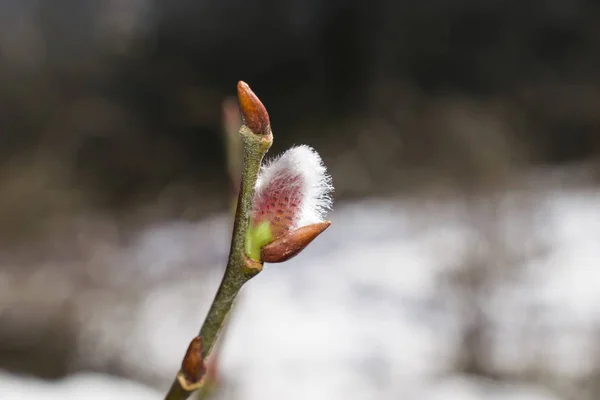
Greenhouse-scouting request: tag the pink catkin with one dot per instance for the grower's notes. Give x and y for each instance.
(292, 191)
(280, 204)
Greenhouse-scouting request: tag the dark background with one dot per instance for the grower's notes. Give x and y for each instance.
(121, 100)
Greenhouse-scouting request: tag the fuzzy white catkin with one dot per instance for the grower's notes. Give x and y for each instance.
(316, 186)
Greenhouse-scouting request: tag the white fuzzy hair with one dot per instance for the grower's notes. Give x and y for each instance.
(316, 185)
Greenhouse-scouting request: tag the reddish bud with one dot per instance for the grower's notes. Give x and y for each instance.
(193, 367)
(254, 113)
(292, 243)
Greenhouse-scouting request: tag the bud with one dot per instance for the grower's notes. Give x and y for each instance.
(292, 191)
(193, 368)
(292, 243)
(254, 113)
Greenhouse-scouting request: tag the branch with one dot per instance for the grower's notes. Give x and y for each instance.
(274, 221)
(257, 139)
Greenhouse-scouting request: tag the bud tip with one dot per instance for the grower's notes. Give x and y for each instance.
(292, 243)
(254, 113)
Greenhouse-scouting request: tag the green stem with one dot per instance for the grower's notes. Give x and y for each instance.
(239, 268)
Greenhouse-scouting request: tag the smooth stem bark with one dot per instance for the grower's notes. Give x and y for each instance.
(239, 268)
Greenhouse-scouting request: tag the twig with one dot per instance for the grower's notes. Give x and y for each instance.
(257, 139)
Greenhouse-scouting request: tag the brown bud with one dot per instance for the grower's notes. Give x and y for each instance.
(292, 243)
(254, 113)
(193, 367)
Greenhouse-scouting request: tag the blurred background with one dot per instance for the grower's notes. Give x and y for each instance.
(463, 137)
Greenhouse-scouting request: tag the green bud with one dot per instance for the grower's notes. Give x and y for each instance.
(256, 238)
